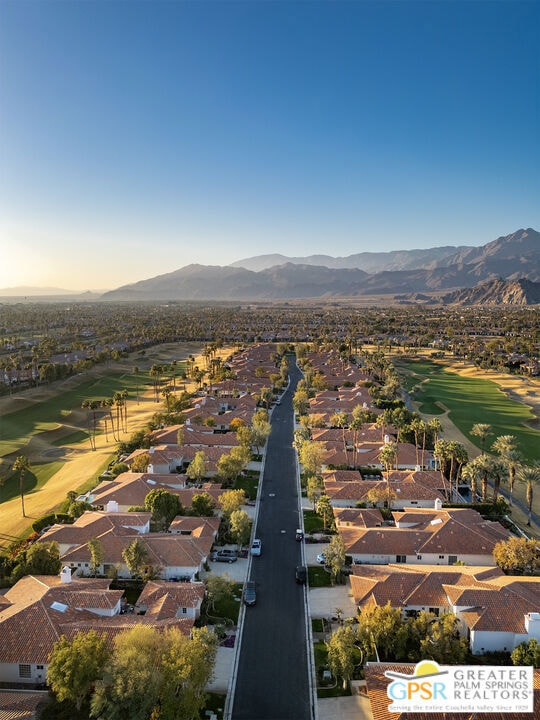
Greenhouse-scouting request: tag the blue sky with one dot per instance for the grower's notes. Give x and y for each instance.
(139, 137)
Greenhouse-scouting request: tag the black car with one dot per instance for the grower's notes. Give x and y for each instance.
(250, 594)
(301, 574)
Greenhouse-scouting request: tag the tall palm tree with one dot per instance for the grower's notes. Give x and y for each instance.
(482, 431)
(440, 453)
(530, 475)
(21, 467)
(473, 472)
(506, 447)
(457, 454)
(388, 456)
(86, 405)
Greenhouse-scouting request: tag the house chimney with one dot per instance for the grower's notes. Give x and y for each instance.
(532, 625)
(65, 575)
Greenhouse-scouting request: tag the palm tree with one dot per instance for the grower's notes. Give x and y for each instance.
(473, 472)
(506, 447)
(457, 454)
(87, 405)
(498, 471)
(388, 455)
(440, 453)
(21, 466)
(530, 475)
(482, 431)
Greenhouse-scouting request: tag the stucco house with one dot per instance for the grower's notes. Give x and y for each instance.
(38, 610)
(428, 537)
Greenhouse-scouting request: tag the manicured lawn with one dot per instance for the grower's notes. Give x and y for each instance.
(312, 522)
(318, 577)
(226, 610)
(16, 427)
(334, 689)
(470, 401)
(249, 484)
(214, 702)
(34, 479)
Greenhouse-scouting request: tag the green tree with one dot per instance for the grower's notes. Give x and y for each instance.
(473, 473)
(443, 643)
(300, 402)
(197, 468)
(75, 666)
(506, 447)
(140, 463)
(482, 431)
(527, 653)
(380, 631)
(97, 555)
(388, 456)
(137, 559)
(203, 505)
(119, 468)
(245, 435)
(240, 527)
(132, 678)
(314, 489)
(260, 428)
(530, 475)
(187, 668)
(231, 500)
(334, 555)
(43, 559)
(311, 456)
(163, 505)
(343, 653)
(20, 467)
(382, 493)
(325, 510)
(218, 588)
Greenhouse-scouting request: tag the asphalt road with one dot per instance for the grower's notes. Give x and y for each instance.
(273, 676)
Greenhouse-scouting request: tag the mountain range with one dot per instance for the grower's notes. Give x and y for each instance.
(493, 273)
(437, 272)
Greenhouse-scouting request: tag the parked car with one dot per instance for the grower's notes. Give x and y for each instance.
(256, 547)
(229, 556)
(250, 593)
(301, 574)
(299, 535)
(321, 559)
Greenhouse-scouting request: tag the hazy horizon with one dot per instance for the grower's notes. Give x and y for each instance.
(138, 138)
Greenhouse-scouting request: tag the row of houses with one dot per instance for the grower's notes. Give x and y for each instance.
(37, 611)
(425, 557)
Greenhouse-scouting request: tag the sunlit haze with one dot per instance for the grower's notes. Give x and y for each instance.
(140, 137)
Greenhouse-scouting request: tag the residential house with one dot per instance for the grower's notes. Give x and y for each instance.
(160, 599)
(38, 610)
(428, 537)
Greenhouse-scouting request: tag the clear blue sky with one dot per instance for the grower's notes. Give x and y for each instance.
(139, 137)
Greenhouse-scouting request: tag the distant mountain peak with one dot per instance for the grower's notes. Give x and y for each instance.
(391, 274)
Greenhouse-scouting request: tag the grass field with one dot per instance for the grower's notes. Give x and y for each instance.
(470, 400)
(49, 427)
(61, 409)
(460, 396)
